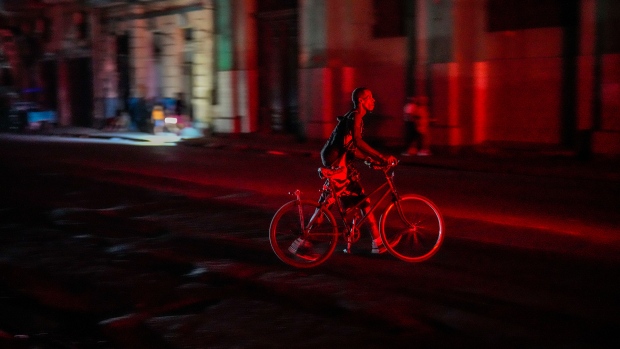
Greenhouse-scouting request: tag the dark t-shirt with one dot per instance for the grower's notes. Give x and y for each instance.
(335, 146)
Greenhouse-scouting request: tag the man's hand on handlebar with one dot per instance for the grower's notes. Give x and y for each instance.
(391, 160)
(388, 162)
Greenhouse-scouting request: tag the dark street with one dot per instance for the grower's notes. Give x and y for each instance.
(117, 246)
(161, 163)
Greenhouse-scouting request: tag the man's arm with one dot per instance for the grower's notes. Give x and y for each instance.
(363, 150)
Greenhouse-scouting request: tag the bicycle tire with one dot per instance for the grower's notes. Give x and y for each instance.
(292, 245)
(417, 234)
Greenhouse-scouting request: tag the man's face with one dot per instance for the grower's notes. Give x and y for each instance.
(367, 101)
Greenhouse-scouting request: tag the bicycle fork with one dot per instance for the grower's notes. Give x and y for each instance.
(305, 228)
(297, 194)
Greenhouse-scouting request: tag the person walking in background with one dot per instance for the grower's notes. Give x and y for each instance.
(411, 130)
(417, 122)
(423, 123)
(157, 119)
(139, 112)
(179, 104)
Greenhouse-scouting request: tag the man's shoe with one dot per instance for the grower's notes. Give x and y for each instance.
(377, 247)
(303, 249)
(299, 242)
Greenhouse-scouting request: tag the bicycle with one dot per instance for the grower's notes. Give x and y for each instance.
(304, 233)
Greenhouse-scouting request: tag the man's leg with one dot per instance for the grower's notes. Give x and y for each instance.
(377, 243)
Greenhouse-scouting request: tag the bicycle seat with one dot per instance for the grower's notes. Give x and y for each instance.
(328, 172)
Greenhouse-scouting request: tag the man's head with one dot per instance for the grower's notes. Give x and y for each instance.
(362, 97)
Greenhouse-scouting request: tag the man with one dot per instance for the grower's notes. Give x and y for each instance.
(347, 144)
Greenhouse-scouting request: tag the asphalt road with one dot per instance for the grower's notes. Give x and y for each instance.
(113, 246)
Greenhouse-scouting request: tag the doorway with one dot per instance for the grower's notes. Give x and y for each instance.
(81, 91)
(122, 66)
(277, 72)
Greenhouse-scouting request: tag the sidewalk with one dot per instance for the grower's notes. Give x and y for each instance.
(508, 159)
(492, 159)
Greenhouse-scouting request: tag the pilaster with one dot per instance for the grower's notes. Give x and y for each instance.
(236, 62)
(325, 80)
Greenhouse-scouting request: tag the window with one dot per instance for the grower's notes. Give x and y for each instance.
(188, 34)
(276, 5)
(611, 28)
(80, 23)
(504, 15)
(389, 18)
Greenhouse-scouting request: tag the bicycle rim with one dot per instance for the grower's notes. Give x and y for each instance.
(298, 248)
(412, 228)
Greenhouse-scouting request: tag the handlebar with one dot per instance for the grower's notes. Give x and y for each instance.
(385, 167)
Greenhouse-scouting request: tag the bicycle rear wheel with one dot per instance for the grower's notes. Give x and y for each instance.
(412, 228)
(303, 247)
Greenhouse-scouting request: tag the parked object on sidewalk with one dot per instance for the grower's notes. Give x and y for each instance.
(29, 116)
(119, 122)
(176, 123)
(41, 119)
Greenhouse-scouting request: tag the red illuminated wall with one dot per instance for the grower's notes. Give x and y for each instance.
(524, 84)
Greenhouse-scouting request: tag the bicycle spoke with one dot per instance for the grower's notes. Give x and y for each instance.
(302, 243)
(416, 224)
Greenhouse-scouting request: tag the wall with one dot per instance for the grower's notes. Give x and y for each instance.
(163, 78)
(524, 84)
(606, 138)
(488, 86)
(337, 54)
(237, 86)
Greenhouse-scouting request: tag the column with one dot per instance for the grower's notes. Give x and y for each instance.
(325, 78)
(64, 105)
(202, 22)
(586, 75)
(236, 62)
(141, 54)
(457, 73)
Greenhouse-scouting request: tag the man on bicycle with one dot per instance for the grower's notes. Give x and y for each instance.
(345, 145)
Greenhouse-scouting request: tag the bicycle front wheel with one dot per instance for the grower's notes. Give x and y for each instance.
(303, 234)
(412, 228)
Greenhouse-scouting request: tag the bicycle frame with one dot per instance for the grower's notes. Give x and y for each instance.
(387, 188)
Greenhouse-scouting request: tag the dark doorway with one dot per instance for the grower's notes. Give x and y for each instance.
(122, 66)
(570, 15)
(49, 80)
(277, 72)
(81, 91)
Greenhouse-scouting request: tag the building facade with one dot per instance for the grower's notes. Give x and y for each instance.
(541, 73)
